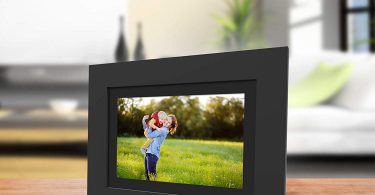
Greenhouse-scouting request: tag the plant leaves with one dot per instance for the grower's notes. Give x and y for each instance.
(227, 23)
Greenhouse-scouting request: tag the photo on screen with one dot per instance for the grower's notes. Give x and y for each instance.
(195, 139)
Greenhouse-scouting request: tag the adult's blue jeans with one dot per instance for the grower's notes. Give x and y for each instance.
(150, 165)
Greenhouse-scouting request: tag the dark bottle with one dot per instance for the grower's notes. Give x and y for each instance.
(139, 53)
(121, 54)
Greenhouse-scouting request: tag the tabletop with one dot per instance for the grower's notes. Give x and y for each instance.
(294, 187)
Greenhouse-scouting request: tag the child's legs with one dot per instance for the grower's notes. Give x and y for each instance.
(147, 143)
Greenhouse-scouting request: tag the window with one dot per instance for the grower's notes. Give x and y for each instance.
(357, 25)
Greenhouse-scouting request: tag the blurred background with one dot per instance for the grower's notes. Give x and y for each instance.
(47, 45)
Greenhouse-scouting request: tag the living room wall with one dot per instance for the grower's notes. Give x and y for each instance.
(59, 32)
(172, 28)
(314, 26)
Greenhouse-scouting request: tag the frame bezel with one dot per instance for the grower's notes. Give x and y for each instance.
(267, 68)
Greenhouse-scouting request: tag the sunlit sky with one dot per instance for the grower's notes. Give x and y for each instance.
(203, 99)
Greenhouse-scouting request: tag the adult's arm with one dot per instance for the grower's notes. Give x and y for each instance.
(154, 134)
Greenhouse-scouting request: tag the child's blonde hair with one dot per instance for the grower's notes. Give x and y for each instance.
(162, 115)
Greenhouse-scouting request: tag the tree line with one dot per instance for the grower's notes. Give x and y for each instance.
(221, 118)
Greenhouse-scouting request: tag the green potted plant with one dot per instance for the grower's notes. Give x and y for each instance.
(239, 27)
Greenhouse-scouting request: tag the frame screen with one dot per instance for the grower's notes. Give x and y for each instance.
(199, 136)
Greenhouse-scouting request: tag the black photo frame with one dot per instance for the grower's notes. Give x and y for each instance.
(262, 75)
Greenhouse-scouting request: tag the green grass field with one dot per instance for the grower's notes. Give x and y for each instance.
(210, 163)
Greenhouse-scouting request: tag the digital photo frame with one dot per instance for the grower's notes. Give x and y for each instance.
(204, 124)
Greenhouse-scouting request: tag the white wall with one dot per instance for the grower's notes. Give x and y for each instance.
(174, 28)
(306, 26)
(314, 25)
(186, 27)
(275, 15)
(86, 31)
(58, 31)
